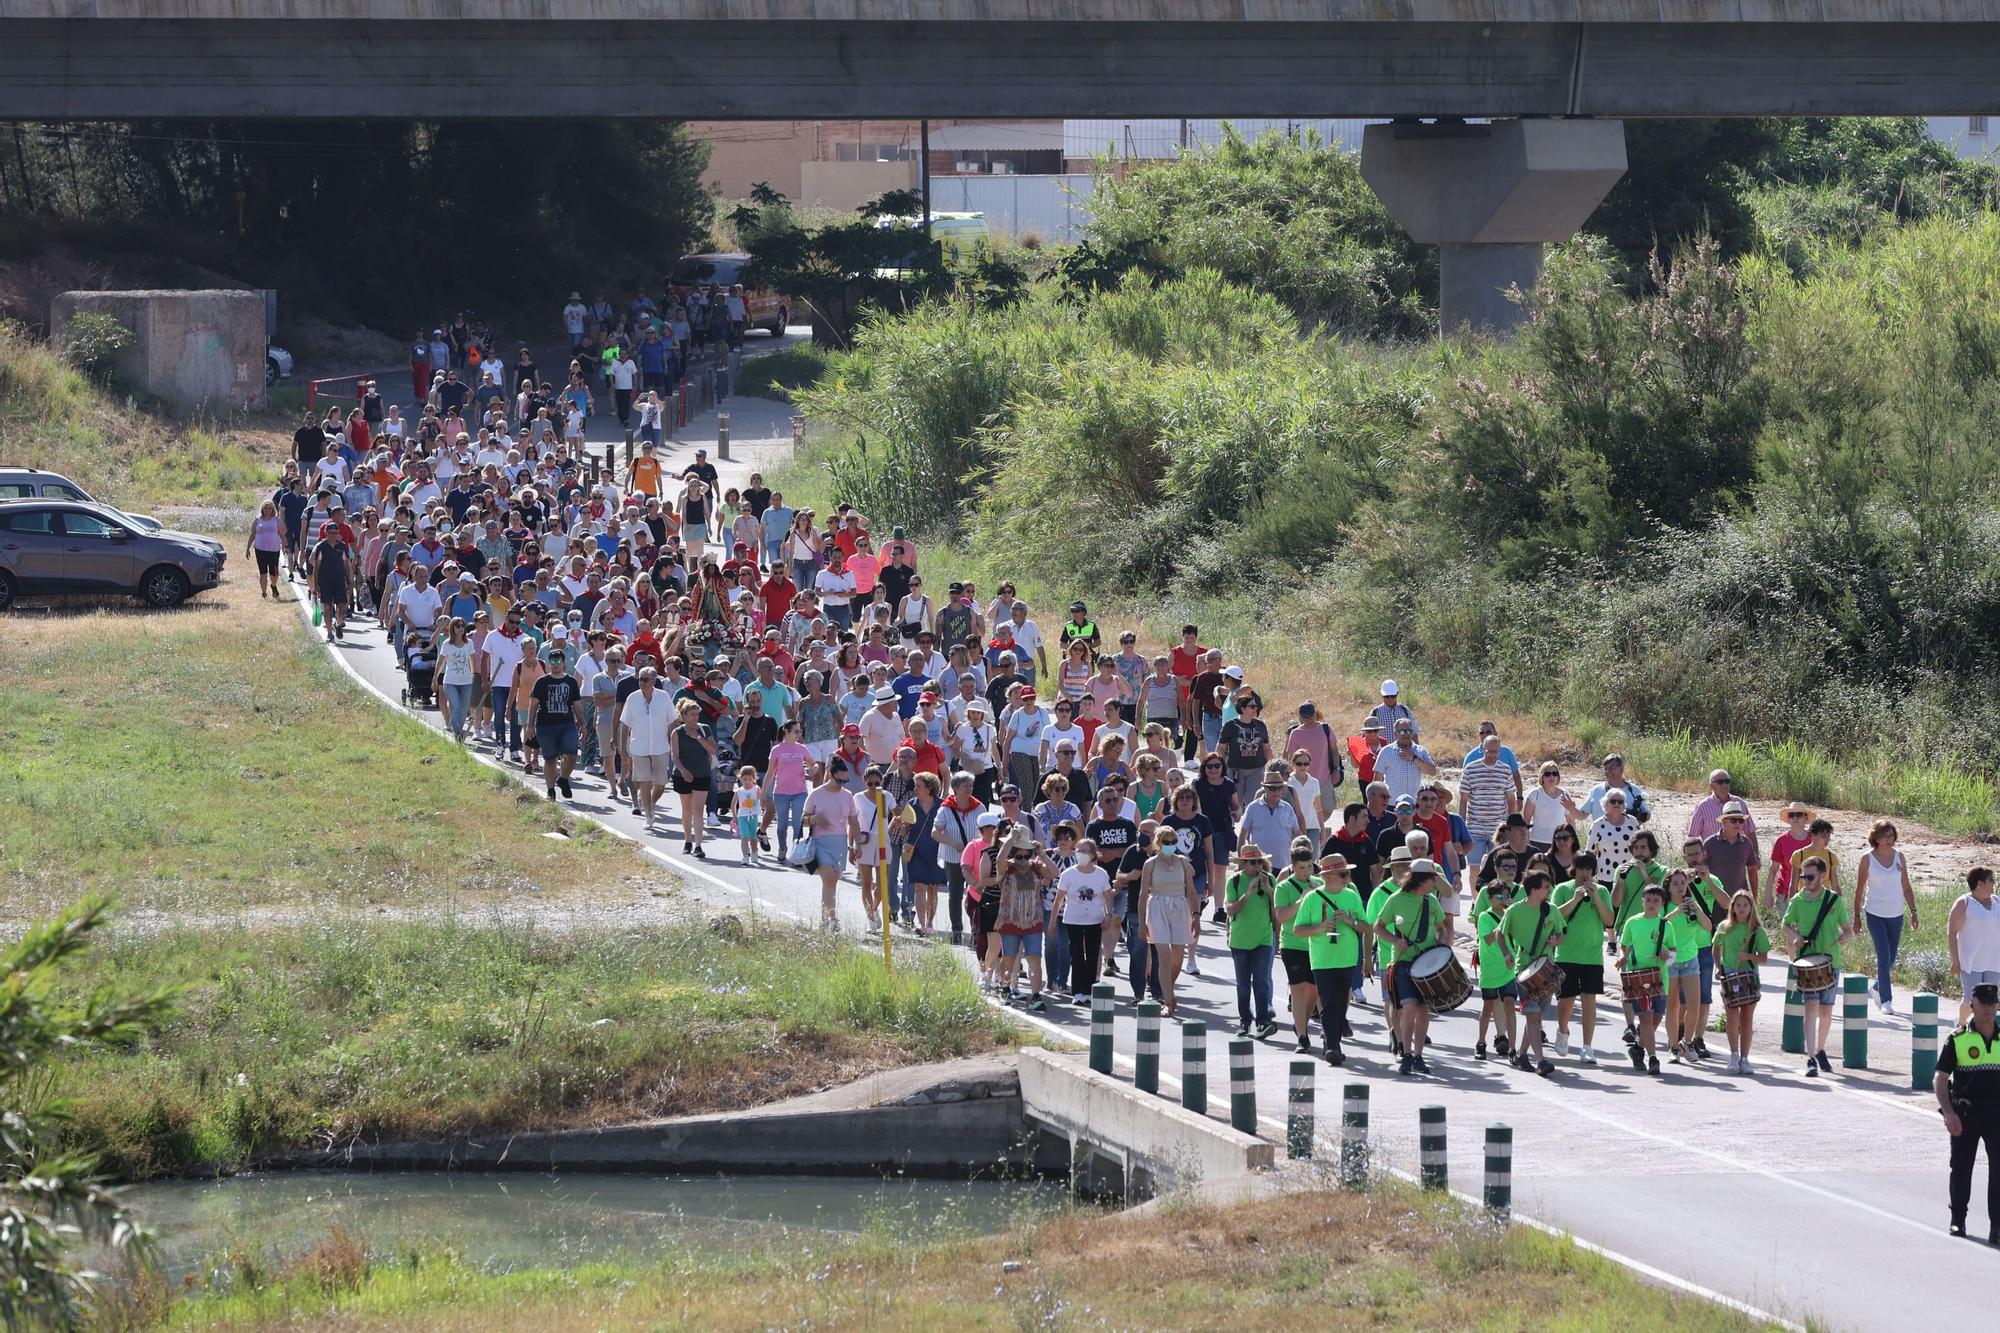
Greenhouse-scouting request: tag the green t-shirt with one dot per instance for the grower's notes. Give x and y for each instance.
(1688, 936)
(1483, 900)
(1416, 917)
(1340, 946)
(1646, 943)
(1805, 910)
(1733, 942)
(1383, 954)
(1632, 882)
(1250, 927)
(1529, 932)
(1583, 934)
(1290, 889)
(1708, 891)
(1493, 970)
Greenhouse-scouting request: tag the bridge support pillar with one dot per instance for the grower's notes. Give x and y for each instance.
(1491, 196)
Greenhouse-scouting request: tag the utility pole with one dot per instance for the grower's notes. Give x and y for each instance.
(924, 172)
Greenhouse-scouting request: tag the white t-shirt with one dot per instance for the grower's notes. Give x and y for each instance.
(503, 655)
(420, 605)
(975, 746)
(1086, 895)
(624, 375)
(573, 314)
(1027, 641)
(1307, 790)
(1072, 733)
(648, 721)
(456, 659)
(834, 589)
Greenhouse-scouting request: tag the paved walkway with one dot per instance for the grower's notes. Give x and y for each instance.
(1820, 1199)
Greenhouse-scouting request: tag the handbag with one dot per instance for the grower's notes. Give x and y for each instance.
(803, 855)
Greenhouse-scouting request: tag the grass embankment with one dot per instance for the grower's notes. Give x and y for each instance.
(349, 1030)
(777, 374)
(52, 416)
(1290, 647)
(213, 758)
(1318, 1259)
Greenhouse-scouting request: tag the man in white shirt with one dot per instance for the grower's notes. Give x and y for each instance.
(573, 316)
(643, 724)
(624, 377)
(836, 589)
(882, 729)
(417, 603)
(503, 650)
(1034, 659)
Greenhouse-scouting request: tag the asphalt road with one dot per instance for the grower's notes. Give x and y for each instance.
(1819, 1200)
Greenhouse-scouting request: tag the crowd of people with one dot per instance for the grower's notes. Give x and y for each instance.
(1072, 806)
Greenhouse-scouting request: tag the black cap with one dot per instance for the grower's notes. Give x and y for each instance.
(1986, 994)
(1515, 821)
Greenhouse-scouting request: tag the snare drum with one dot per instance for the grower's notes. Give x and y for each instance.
(1639, 984)
(1540, 980)
(1740, 988)
(1814, 972)
(1440, 980)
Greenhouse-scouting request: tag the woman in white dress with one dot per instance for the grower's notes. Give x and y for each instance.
(1166, 911)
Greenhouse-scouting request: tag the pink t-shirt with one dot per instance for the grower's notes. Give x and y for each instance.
(788, 768)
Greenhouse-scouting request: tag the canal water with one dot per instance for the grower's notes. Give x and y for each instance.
(507, 1220)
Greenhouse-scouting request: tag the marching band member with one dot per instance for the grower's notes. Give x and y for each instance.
(1530, 930)
(1410, 922)
(1740, 942)
(1646, 942)
(1816, 923)
(1581, 953)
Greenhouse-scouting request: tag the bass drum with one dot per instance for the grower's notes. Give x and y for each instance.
(1440, 980)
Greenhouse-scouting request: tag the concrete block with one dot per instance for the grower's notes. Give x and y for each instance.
(190, 349)
(1173, 1146)
(1513, 182)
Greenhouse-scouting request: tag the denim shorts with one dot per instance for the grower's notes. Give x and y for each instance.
(1828, 997)
(1029, 945)
(1652, 1004)
(1707, 960)
(1510, 991)
(1545, 1005)
(1690, 967)
(830, 850)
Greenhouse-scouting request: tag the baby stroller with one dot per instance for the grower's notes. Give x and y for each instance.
(420, 669)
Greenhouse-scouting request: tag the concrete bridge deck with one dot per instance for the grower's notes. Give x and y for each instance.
(758, 59)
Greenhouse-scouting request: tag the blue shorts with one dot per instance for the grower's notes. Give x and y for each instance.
(1510, 991)
(746, 827)
(1030, 946)
(1545, 1005)
(1706, 958)
(1652, 1004)
(830, 850)
(1689, 968)
(1406, 986)
(1828, 997)
(556, 738)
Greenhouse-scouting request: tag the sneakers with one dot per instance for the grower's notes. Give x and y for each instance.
(1812, 1069)
(1638, 1057)
(1701, 1049)
(1110, 966)
(1193, 964)
(1336, 1059)
(1889, 1005)
(1652, 1064)
(1243, 1028)
(1404, 1066)
(1221, 918)
(1631, 1034)
(1562, 1042)
(1743, 1064)
(1730, 1068)
(1479, 1051)
(1305, 1045)
(1823, 1062)
(1036, 1004)
(1501, 1046)
(1586, 1056)
(1420, 1066)
(562, 785)
(1266, 1029)
(1546, 1067)
(958, 937)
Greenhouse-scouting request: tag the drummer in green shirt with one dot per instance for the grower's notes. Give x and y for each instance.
(1647, 941)
(1707, 892)
(1816, 923)
(1740, 942)
(1331, 921)
(1292, 951)
(1627, 901)
(1531, 929)
(1587, 911)
(1411, 922)
(1497, 988)
(1690, 929)
(1506, 870)
(1392, 879)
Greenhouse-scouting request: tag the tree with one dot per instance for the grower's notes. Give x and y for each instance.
(49, 1199)
(881, 259)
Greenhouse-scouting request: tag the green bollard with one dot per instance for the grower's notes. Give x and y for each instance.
(1243, 1084)
(1793, 1035)
(1854, 1022)
(1102, 996)
(1146, 1067)
(1499, 1170)
(1923, 1041)
(1194, 1065)
(1354, 1135)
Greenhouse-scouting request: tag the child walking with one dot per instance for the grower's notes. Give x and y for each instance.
(749, 806)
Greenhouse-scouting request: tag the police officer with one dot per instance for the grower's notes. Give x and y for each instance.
(1968, 1093)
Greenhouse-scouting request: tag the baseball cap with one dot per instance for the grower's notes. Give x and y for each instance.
(850, 730)
(561, 631)
(1010, 790)
(1233, 672)
(1405, 802)
(1987, 994)
(988, 819)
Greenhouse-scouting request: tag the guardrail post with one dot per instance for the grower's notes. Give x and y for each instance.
(1793, 1035)
(722, 436)
(1101, 997)
(1194, 1065)
(1499, 1169)
(1354, 1135)
(1432, 1172)
(1243, 1084)
(1923, 1040)
(1146, 1069)
(1854, 1023)
(1299, 1119)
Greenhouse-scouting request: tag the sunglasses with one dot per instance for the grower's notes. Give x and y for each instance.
(1213, 763)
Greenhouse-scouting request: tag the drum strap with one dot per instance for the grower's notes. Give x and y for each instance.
(1660, 940)
(1826, 906)
(1423, 923)
(1541, 923)
(1321, 894)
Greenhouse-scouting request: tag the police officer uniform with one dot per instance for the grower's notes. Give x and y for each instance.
(1968, 1079)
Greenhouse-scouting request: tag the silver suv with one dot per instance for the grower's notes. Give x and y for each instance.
(66, 546)
(33, 483)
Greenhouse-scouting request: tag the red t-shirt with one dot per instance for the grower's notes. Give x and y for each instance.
(1439, 828)
(929, 758)
(848, 539)
(1187, 661)
(1781, 857)
(778, 593)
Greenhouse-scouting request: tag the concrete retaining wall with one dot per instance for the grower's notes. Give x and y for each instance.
(190, 349)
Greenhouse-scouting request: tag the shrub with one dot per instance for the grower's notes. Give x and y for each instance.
(92, 342)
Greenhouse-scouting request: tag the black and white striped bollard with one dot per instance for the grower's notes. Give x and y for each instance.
(1499, 1169)
(1243, 1084)
(1431, 1169)
(1299, 1118)
(1354, 1135)
(1102, 995)
(1146, 1067)
(1194, 1065)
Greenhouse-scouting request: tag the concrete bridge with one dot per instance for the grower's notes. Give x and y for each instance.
(768, 59)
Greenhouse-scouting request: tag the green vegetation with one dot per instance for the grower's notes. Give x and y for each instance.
(1743, 507)
(51, 1198)
(781, 374)
(214, 759)
(342, 1030)
(1335, 1260)
(54, 415)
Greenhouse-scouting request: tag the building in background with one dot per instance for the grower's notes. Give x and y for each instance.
(1969, 136)
(1085, 141)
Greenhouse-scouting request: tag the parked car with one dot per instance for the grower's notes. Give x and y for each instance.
(768, 310)
(32, 483)
(277, 364)
(68, 546)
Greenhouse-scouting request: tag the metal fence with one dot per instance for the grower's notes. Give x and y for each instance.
(1055, 208)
